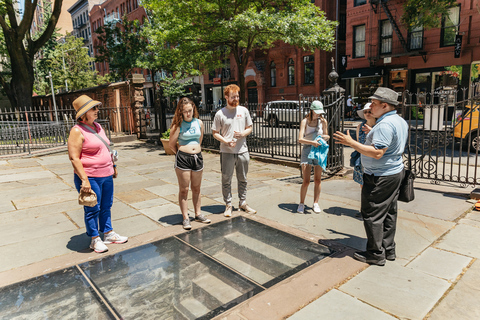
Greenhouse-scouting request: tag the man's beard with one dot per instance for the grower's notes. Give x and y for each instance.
(234, 103)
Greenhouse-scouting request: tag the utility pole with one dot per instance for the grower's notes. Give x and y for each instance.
(53, 95)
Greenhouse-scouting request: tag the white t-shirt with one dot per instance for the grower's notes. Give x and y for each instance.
(227, 121)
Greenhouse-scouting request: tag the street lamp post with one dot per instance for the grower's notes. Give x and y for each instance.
(53, 96)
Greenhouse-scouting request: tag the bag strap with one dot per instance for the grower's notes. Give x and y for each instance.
(409, 158)
(97, 135)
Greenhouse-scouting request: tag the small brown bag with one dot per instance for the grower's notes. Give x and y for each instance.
(88, 199)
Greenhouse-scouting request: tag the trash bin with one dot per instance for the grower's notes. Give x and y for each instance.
(433, 117)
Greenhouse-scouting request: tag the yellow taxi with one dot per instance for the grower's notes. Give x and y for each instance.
(466, 127)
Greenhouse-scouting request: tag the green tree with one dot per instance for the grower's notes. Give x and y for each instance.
(67, 61)
(120, 47)
(204, 31)
(21, 47)
(426, 13)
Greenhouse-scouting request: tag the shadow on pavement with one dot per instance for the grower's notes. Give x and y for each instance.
(340, 211)
(79, 243)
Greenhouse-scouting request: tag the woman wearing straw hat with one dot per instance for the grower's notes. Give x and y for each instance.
(93, 170)
(312, 126)
(362, 130)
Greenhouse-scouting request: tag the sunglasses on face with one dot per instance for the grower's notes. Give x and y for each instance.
(367, 112)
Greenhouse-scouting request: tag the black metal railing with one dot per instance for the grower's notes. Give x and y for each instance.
(444, 134)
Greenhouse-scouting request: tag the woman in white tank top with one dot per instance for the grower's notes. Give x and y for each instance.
(312, 126)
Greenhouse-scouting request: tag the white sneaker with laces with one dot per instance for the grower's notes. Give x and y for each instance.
(228, 211)
(98, 246)
(113, 237)
(301, 208)
(316, 208)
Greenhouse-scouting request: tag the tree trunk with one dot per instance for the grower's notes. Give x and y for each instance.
(21, 84)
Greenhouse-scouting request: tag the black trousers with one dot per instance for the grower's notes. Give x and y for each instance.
(379, 212)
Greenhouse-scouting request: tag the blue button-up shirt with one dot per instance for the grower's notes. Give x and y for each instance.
(390, 132)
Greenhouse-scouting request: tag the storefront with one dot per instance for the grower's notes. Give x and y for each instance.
(362, 83)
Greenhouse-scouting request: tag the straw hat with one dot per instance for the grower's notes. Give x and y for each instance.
(84, 103)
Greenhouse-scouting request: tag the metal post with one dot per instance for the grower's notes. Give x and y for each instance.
(64, 70)
(53, 96)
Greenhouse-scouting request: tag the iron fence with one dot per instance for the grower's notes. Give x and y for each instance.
(444, 134)
(32, 129)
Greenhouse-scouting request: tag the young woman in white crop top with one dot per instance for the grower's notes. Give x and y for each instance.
(312, 126)
(187, 129)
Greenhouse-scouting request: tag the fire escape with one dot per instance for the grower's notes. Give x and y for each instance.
(403, 47)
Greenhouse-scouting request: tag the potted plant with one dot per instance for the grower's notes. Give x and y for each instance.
(165, 138)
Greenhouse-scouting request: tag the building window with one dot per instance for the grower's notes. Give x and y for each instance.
(291, 72)
(359, 41)
(450, 27)
(415, 38)
(273, 74)
(386, 33)
(359, 2)
(309, 70)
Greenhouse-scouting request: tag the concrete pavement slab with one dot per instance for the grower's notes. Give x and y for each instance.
(27, 176)
(167, 215)
(136, 184)
(134, 226)
(463, 239)
(164, 190)
(336, 305)
(31, 230)
(135, 196)
(3, 163)
(55, 197)
(462, 301)
(149, 203)
(6, 206)
(7, 170)
(440, 263)
(400, 291)
(33, 213)
(23, 163)
(416, 232)
(23, 253)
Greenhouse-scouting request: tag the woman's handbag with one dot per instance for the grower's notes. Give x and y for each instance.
(88, 199)
(113, 153)
(355, 159)
(407, 193)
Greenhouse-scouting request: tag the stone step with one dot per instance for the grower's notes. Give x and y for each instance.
(195, 309)
(268, 254)
(243, 267)
(215, 288)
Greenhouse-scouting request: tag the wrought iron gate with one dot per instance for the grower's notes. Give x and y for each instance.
(444, 134)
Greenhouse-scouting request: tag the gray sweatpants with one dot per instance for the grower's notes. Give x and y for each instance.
(239, 162)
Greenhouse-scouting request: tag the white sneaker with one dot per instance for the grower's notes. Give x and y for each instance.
(228, 211)
(98, 246)
(301, 208)
(113, 237)
(316, 208)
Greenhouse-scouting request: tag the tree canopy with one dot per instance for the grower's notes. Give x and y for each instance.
(68, 61)
(121, 46)
(203, 31)
(426, 13)
(21, 47)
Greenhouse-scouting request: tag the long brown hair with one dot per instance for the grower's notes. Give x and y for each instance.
(178, 117)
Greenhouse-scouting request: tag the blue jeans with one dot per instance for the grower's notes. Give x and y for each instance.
(98, 218)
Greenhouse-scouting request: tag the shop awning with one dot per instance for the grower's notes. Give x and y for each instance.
(362, 72)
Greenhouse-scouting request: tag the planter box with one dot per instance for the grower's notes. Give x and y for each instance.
(166, 146)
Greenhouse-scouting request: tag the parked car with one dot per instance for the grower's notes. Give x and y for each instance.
(285, 111)
(466, 127)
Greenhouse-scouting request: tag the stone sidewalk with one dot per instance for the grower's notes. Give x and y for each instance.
(436, 274)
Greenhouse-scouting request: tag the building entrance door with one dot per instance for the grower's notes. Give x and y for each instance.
(252, 92)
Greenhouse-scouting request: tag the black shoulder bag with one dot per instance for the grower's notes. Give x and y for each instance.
(407, 193)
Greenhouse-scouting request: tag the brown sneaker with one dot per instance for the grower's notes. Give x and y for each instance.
(247, 209)
(228, 211)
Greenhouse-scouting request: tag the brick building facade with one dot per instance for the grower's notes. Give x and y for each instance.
(284, 71)
(418, 60)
